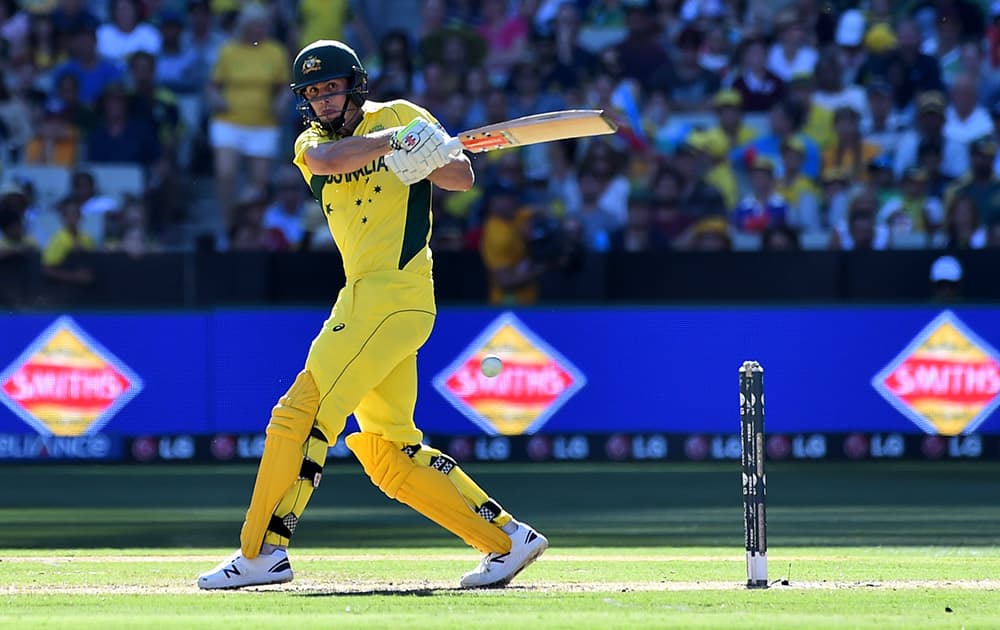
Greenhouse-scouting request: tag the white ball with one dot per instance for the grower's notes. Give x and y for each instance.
(491, 365)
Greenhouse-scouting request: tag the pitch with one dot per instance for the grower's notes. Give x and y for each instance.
(860, 544)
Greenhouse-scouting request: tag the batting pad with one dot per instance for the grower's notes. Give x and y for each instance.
(291, 421)
(426, 490)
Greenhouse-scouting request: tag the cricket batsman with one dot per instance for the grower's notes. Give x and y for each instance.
(371, 165)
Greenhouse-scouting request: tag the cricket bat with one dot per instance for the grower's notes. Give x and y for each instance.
(547, 127)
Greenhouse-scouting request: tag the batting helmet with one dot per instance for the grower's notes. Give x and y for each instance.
(323, 60)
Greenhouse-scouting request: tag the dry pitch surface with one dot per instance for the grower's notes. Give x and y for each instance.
(577, 588)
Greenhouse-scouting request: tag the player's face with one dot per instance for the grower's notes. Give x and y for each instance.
(327, 98)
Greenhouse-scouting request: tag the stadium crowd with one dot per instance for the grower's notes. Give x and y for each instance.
(746, 124)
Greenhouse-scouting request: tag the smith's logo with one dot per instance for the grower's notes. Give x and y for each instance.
(66, 383)
(947, 381)
(535, 382)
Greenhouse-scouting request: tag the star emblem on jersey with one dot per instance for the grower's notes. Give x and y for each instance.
(535, 382)
(377, 189)
(329, 209)
(364, 219)
(311, 64)
(357, 202)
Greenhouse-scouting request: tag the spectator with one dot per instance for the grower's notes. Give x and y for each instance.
(247, 231)
(715, 54)
(176, 66)
(688, 86)
(850, 150)
(836, 197)
(14, 237)
(791, 54)
(720, 175)
(910, 71)
(126, 34)
(710, 234)
(513, 276)
(965, 121)
(15, 122)
(598, 221)
(606, 164)
(572, 64)
(126, 230)
(670, 219)
(249, 85)
(641, 53)
(14, 27)
(786, 120)
(763, 206)
(831, 93)
(156, 105)
(860, 231)
(945, 46)
(505, 34)
(798, 191)
(780, 238)
(93, 72)
(850, 50)
(759, 88)
(204, 39)
(696, 196)
(818, 122)
(72, 16)
(963, 228)
(929, 159)
(980, 183)
(56, 141)
(946, 279)
(731, 129)
(287, 213)
(929, 128)
(45, 45)
(56, 261)
(638, 234)
(563, 188)
(881, 179)
(394, 76)
(120, 137)
(881, 125)
(525, 92)
(912, 211)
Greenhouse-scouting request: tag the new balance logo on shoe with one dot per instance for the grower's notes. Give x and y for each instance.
(498, 569)
(239, 571)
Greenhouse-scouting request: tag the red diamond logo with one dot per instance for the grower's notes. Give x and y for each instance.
(66, 383)
(535, 380)
(947, 381)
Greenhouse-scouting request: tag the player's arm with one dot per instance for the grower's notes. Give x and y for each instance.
(457, 174)
(348, 154)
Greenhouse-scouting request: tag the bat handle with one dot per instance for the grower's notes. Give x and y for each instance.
(454, 146)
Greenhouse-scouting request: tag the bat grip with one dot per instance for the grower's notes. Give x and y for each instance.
(454, 146)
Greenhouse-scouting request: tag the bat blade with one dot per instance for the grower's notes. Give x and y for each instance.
(547, 127)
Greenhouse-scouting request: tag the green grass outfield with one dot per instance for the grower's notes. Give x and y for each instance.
(859, 544)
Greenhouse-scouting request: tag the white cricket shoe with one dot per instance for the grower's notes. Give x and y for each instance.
(238, 571)
(498, 569)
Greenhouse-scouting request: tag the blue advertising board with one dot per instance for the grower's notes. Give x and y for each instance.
(636, 370)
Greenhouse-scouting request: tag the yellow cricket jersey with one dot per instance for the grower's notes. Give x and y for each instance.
(62, 245)
(250, 76)
(377, 222)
